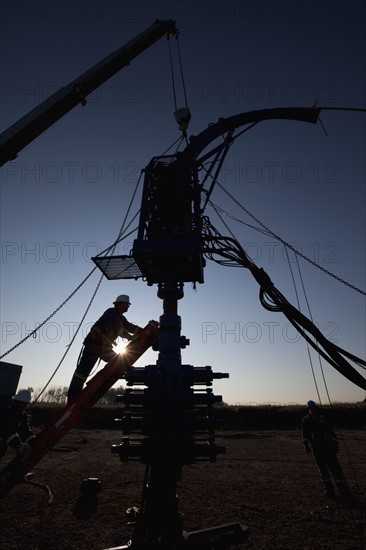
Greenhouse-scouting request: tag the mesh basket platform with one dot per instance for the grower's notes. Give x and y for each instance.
(118, 267)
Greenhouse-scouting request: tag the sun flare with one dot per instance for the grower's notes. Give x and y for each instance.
(120, 346)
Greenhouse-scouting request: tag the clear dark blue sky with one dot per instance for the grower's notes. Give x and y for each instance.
(65, 196)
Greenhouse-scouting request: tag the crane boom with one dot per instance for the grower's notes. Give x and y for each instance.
(30, 126)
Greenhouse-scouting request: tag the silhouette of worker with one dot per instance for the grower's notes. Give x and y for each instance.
(15, 431)
(320, 440)
(99, 342)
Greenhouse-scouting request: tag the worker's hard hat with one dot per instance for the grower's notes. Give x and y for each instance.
(311, 405)
(122, 298)
(23, 396)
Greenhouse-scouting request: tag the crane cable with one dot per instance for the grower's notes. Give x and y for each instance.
(181, 73)
(299, 308)
(172, 75)
(183, 114)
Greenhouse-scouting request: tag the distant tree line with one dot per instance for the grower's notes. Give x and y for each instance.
(227, 417)
(57, 395)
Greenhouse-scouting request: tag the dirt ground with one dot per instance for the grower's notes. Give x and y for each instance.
(264, 480)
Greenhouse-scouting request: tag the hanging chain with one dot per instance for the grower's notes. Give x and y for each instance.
(33, 333)
(288, 245)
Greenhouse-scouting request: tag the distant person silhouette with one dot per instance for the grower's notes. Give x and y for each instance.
(320, 440)
(15, 431)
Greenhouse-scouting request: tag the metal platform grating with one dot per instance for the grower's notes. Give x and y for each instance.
(118, 267)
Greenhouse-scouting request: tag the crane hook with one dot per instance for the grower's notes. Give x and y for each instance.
(182, 117)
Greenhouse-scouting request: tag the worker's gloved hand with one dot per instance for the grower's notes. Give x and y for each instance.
(307, 448)
(23, 451)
